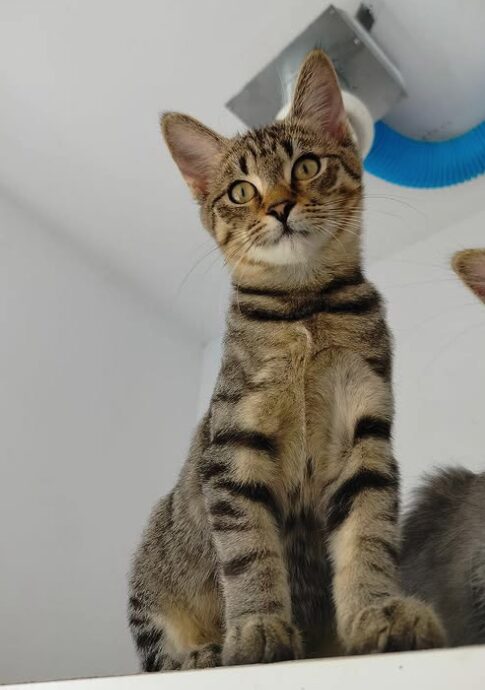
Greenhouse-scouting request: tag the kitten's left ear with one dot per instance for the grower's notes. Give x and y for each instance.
(317, 99)
(469, 264)
(195, 148)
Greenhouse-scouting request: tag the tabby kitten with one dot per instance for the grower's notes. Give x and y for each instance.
(444, 532)
(280, 540)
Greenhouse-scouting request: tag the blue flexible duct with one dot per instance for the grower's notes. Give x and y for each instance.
(412, 163)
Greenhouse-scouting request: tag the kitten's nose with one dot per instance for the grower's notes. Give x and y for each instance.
(281, 210)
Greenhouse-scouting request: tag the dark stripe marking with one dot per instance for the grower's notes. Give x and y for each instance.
(252, 150)
(263, 292)
(214, 648)
(225, 509)
(288, 147)
(135, 602)
(246, 439)
(220, 526)
(218, 197)
(258, 493)
(383, 545)
(226, 397)
(243, 165)
(137, 621)
(150, 663)
(240, 564)
(148, 639)
(372, 427)
(227, 238)
(351, 173)
(214, 469)
(309, 467)
(357, 306)
(266, 315)
(379, 594)
(342, 501)
(343, 281)
(382, 568)
(354, 307)
(380, 365)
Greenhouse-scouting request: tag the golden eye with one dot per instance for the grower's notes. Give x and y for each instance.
(305, 168)
(242, 192)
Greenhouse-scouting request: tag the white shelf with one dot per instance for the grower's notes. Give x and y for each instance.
(455, 669)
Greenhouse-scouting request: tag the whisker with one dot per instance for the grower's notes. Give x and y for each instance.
(194, 266)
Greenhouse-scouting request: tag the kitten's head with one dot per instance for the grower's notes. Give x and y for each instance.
(279, 195)
(469, 264)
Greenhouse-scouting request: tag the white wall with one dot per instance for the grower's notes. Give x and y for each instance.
(97, 401)
(439, 373)
(439, 379)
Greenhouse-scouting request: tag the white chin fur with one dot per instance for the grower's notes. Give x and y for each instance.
(289, 250)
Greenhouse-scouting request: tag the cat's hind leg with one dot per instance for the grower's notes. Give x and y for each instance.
(194, 633)
(150, 640)
(179, 638)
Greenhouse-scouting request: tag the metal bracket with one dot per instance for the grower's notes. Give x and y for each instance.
(362, 68)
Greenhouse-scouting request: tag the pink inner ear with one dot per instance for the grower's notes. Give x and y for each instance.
(196, 156)
(317, 98)
(196, 149)
(327, 104)
(193, 161)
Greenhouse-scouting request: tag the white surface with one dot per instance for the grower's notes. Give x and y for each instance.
(97, 402)
(83, 82)
(439, 327)
(437, 670)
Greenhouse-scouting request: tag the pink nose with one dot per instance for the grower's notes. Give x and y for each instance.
(281, 210)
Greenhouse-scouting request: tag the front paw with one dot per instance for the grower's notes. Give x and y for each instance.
(396, 625)
(261, 639)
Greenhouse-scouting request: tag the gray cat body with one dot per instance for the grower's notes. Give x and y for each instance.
(443, 556)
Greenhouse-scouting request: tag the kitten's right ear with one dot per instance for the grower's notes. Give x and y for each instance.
(469, 264)
(317, 99)
(196, 149)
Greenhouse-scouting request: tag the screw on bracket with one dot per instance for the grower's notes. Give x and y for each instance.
(365, 16)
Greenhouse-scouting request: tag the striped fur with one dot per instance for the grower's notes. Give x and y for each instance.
(280, 537)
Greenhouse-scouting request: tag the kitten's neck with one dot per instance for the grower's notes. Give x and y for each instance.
(339, 260)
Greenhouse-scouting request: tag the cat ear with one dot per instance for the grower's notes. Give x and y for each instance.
(317, 99)
(196, 149)
(469, 264)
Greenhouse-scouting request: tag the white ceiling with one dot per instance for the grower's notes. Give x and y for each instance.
(81, 86)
